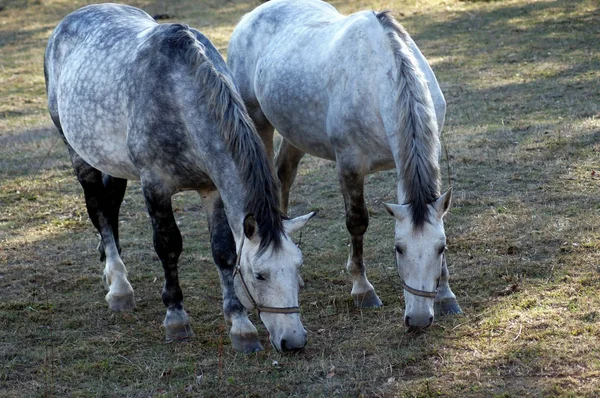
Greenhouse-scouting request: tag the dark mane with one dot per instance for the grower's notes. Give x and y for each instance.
(418, 132)
(241, 138)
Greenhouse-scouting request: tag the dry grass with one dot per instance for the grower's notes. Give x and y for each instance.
(523, 136)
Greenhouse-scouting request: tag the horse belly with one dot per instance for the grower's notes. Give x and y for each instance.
(300, 119)
(107, 153)
(94, 121)
(100, 141)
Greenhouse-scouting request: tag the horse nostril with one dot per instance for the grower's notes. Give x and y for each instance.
(407, 321)
(430, 321)
(286, 347)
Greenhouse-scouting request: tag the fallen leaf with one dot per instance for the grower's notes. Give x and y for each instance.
(165, 373)
(331, 373)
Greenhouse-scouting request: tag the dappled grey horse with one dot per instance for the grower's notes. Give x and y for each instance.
(156, 103)
(357, 90)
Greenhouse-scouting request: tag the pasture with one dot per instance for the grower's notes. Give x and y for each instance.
(521, 150)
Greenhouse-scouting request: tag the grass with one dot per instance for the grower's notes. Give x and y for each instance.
(523, 138)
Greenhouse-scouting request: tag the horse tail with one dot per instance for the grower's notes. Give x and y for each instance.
(418, 139)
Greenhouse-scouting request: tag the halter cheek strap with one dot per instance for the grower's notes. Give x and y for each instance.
(260, 308)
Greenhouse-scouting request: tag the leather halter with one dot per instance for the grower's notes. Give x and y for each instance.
(260, 308)
(413, 291)
(420, 293)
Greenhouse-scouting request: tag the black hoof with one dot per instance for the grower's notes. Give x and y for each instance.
(447, 307)
(367, 300)
(177, 325)
(121, 303)
(246, 344)
(179, 332)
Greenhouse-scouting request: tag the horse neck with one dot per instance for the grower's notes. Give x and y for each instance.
(234, 197)
(239, 170)
(228, 143)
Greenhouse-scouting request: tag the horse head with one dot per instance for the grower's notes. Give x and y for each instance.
(419, 254)
(269, 280)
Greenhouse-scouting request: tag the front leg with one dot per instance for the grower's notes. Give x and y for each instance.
(445, 301)
(243, 334)
(357, 221)
(168, 245)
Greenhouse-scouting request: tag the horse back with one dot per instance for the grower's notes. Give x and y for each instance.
(321, 78)
(118, 85)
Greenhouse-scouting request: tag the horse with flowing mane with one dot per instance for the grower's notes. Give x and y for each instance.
(137, 100)
(355, 90)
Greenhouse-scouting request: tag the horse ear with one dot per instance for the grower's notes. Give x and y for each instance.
(300, 281)
(443, 203)
(396, 211)
(296, 224)
(250, 226)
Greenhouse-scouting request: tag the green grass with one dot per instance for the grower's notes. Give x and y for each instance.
(523, 138)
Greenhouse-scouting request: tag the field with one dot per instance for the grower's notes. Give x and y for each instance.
(521, 151)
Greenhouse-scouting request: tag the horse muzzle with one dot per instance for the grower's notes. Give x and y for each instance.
(416, 323)
(291, 341)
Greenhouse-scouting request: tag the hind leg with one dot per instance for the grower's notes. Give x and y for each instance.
(168, 245)
(103, 209)
(445, 301)
(357, 222)
(115, 189)
(286, 163)
(264, 129)
(244, 336)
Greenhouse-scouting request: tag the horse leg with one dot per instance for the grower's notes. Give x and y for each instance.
(286, 163)
(243, 334)
(445, 301)
(264, 129)
(104, 215)
(115, 189)
(357, 221)
(168, 245)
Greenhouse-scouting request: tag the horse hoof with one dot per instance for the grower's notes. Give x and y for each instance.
(120, 303)
(179, 332)
(246, 344)
(177, 325)
(367, 300)
(447, 306)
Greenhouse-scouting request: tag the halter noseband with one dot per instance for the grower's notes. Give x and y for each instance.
(420, 293)
(260, 308)
(416, 292)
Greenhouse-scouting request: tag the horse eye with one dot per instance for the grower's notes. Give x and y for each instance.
(259, 277)
(399, 250)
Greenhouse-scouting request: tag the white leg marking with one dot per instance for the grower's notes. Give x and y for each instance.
(120, 293)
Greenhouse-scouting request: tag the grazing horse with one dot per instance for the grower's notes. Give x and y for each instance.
(156, 103)
(356, 90)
